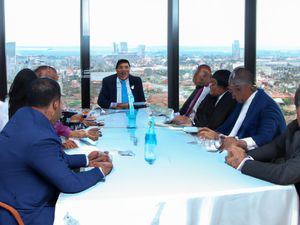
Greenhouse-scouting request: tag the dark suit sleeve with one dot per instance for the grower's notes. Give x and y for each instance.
(141, 95)
(204, 111)
(221, 112)
(227, 126)
(75, 161)
(186, 104)
(268, 126)
(284, 173)
(271, 151)
(47, 159)
(104, 98)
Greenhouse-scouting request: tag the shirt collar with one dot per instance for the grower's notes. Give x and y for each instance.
(249, 100)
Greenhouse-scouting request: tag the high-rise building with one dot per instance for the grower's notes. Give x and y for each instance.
(124, 47)
(141, 50)
(116, 48)
(236, 52)
(11, 49)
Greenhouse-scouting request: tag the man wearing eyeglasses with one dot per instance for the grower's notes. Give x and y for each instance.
(256, 119)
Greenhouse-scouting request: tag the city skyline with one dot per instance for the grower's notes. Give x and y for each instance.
(218, 23)
(131, 46)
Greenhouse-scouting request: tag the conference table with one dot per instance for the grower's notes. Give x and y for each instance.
(186, 184)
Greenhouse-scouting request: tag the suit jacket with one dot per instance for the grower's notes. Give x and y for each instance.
(285, 172)
(34, 169)
(263, 121)
(211, 115)
(108, 93)
(187, 103)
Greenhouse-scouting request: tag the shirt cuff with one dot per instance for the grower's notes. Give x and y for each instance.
(87, 164)
(101, 172)
(87, 160)
(113, 105)
(250, 143)
(243, 162)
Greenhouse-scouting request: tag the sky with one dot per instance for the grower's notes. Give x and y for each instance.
(202, 22)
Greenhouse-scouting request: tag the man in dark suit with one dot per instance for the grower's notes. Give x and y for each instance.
(218, 105)
(33, 167)
(256, 119)
(201, 80)
(277, 162)
(116, 88)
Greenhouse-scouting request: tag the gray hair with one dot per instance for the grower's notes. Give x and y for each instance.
(241, 76)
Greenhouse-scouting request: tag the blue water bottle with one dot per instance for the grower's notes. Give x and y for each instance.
(150, 143)
(131, 106)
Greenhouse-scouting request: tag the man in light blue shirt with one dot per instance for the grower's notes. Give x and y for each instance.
(117, 87)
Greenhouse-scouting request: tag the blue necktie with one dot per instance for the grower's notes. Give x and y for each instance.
(124, 92)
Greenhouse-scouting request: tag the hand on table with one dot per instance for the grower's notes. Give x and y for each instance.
(88, 123)
(227, 142)
(122, 106)
(69, 144)
(94, 134)
(235, 156)
(105, 166)
(208, 133)
(182, 120)
(100, 159)
(76, 118)
(98, 156)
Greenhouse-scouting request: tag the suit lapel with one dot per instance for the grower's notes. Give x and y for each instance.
(253, 108)
(132, 84)
(114, 88)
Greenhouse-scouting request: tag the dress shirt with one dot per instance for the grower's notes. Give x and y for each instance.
(62, 130)
(3, 114)
(243, 162)
(205, 91)
(249, 141)
(119, 92)
(219, 98)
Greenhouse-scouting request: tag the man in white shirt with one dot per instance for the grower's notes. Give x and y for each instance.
(277, 162)
(3, 113)
(256, 119)
(188, 111)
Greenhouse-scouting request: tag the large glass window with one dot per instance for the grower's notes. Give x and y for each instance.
(211, 32)
(278, 51)
(45, 33)
(135, 30)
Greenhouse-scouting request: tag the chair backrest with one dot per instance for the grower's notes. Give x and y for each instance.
(13, 212)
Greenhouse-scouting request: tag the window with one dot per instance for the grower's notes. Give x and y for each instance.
(278, 51)
(211, 32)
(45, 33)
(135, 30)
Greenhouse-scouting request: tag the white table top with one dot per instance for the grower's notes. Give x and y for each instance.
(184, 171)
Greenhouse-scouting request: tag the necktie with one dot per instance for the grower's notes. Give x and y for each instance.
(193, 102)
(124, 92)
